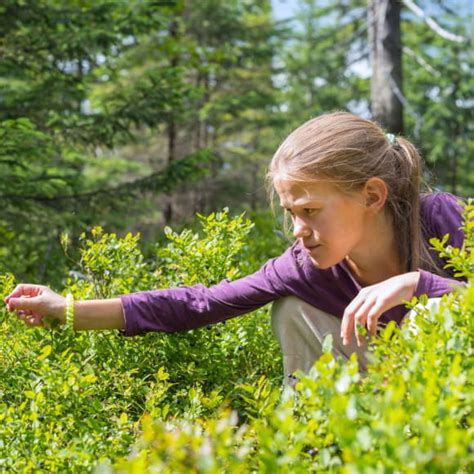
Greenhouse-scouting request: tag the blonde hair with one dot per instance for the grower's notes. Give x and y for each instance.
(347, 150)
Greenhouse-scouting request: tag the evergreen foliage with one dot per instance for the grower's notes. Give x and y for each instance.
(439, 74)
(159, 110)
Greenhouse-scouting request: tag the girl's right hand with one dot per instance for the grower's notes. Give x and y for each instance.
(34, 304)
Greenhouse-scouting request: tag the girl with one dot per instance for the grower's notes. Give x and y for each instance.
(361, 250)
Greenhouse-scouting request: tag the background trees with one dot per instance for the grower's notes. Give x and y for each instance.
(133, 115)
(439, 110)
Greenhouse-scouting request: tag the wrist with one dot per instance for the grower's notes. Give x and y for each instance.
(59, 308)
(412, 282)
(55, 312)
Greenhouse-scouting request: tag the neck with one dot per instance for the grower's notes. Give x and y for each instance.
(376, 259)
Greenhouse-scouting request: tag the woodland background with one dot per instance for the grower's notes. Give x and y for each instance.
(119, 119)
(132, 115)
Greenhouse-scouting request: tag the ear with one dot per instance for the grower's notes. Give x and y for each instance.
(375, 192)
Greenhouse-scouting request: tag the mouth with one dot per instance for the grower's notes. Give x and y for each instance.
(310, 248)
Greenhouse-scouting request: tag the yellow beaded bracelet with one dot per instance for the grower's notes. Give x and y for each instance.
(69, 311)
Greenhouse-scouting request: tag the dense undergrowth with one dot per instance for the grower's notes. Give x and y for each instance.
(211, 400)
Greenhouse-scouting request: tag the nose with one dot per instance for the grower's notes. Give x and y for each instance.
(300, 229)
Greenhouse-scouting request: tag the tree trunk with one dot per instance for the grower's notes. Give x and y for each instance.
(168, 212)
(386, 59)
(171, 157)
(457, 132)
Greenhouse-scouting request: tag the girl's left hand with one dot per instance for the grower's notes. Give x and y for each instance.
(372, 301)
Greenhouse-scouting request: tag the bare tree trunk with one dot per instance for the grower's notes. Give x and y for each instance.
(168, 212)
(203, 187)
(171, 157)
(457, 132)
(386, 59)
(255, 179)
(197, 146)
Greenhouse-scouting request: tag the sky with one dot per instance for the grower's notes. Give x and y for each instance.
(283, 8)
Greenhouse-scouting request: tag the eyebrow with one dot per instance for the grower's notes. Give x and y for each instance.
(303, 204)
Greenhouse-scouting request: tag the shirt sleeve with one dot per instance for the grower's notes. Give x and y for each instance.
(190, 307)
(435, 286)
(444, 217)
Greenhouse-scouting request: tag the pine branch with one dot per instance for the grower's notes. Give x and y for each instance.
(432, 24)
(187, 169)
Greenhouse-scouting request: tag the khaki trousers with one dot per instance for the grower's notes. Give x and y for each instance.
(301, 328)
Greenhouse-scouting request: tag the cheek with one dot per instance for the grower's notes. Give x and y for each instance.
(335, 229)
(323, 223)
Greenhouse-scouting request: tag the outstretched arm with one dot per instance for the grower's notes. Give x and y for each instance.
(36, 304)
(164, 310)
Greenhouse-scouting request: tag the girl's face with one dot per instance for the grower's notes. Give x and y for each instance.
(329, 224)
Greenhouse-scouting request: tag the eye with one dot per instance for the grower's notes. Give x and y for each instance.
(307, 211)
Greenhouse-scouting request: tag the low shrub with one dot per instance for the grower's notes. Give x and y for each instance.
(211, 400)
(68, 400)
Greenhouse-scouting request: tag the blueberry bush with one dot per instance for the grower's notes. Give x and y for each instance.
(211, 400)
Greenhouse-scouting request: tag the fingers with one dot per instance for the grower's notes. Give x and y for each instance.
(360, 320)
(25, 303)
(372, 301)
(29, 304)
(364, 310)
(29, 317)
(26, 308)
(34, 320)
(348, 322)
(23, 315)
(373, 317)
(31, 320)
(347, 327)
(24, 289)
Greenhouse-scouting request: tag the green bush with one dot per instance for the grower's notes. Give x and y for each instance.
(211, 400)
(69, 400)
(411, 413)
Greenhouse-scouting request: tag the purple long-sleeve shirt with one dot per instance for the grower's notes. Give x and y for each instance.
(293, 273)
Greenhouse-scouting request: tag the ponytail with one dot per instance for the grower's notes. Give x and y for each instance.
(404, 203)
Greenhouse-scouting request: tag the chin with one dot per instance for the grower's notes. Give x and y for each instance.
(320, 264)
(324, 263)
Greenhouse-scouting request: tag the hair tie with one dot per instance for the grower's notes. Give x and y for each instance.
(391, 138)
